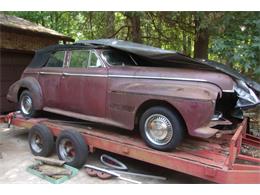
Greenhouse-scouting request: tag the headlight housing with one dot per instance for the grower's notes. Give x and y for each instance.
(246, 96)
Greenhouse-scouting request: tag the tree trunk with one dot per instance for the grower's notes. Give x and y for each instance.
(135, 23)
(184, 43)
(110, 24)
(201, 40)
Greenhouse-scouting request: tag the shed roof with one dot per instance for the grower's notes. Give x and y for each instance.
(22, 24)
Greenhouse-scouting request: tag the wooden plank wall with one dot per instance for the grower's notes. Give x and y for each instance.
(16, 52)
(24, 41)
(12, 65)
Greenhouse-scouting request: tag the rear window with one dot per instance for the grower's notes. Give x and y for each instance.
(113, 57)
(56, 59)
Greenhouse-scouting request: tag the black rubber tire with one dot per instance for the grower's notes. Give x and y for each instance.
(46, 137)
(33, 112)
(79, 145)
(176, 122)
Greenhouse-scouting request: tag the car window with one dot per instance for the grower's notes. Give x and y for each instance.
(114, 57)
(56, 59)
(94, 61)
(79, 58)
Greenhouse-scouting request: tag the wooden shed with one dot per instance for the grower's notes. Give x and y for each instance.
(19, 39)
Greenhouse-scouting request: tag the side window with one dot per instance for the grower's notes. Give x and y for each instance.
(79, 58)
(56, 59)
(94, 61)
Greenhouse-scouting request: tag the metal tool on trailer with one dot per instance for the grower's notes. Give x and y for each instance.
(99, 171)
(216, 159)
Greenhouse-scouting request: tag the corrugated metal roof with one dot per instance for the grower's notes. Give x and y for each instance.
(22, 24)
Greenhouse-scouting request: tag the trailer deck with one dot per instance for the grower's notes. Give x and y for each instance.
(216, 159)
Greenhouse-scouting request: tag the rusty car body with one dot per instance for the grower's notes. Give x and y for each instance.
(128, 85)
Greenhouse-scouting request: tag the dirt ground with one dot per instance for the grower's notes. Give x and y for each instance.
(254, 115)
(15, 157)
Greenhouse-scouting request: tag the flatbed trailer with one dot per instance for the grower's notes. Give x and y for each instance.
(216, 159)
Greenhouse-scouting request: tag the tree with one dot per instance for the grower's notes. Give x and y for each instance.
(135, 26)
(231, 38)
(201, 42)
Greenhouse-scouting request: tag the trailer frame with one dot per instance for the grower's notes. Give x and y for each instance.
(216, 159)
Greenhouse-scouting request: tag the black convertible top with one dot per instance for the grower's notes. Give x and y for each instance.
(151, 56)
(42, 55)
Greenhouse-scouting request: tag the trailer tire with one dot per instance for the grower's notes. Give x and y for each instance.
(71, 147)
(161, 128)
(41, 140)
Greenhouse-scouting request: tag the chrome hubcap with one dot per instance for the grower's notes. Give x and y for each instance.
(158, 129)
(66, 150)
(36, 143)
(26, 104)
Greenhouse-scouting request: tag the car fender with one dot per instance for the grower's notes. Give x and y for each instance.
(194, 101)
(32, 85)
(178, 89)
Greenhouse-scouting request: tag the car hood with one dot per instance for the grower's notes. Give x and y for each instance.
(222, 81)
(156, 56)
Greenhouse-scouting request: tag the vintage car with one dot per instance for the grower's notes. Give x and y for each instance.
(164, 94)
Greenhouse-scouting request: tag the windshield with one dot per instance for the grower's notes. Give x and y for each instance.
(114, 57)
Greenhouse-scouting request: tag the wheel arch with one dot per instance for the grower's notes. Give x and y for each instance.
(154, 102)
(20, 90)
(32, 85)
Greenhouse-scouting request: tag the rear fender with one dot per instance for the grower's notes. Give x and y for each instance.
(32, 85)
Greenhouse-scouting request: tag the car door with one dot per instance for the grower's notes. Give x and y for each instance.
(84, 84)
(49, 79)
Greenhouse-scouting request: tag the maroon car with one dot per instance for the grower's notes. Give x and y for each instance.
(162, 93)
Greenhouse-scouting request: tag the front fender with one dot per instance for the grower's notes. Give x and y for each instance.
(194, 101)
(177, 89)
(32, 85)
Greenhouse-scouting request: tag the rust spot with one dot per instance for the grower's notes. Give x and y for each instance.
(180, 89)
(125, 150)
(122, 107)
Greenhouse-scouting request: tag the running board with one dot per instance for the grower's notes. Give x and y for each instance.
(83, 117)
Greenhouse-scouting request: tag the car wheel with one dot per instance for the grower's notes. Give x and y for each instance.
(26, 104)
(41, 140)
(161, 128)
(71, 148)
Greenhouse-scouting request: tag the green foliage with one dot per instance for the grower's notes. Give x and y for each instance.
(233, 36)
(237, 42)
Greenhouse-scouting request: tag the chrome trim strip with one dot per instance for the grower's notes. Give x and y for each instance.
(135, 77)
(125, 76)
(84, 75)
(229, 91)
(159, 78)
(50, 73)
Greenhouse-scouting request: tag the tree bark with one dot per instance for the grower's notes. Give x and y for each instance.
(110, 24)
(201, 40)
(135, 23)
(184, 43)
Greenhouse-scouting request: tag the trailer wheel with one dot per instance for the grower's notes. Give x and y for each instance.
(71, 148)
(41, 140)
(161, 128)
